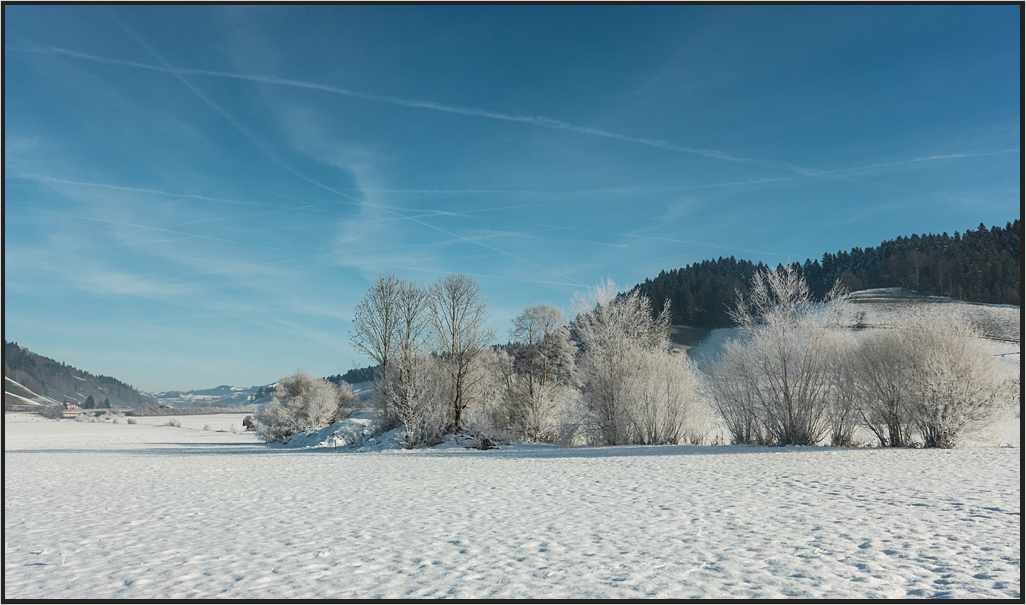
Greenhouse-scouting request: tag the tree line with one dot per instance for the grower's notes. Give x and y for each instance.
(797, 374)
(979, 266)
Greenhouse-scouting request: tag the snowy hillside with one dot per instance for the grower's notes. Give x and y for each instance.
(62, 382)
(879, 308)
(18, 397)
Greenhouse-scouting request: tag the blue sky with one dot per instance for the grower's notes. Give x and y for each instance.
(200, 195)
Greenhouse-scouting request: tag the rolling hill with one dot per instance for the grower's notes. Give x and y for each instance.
(59, 382)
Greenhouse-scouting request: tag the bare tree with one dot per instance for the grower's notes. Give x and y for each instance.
(459, 323)
(547, 353)
(843, 414)
(733, 375)
(662, 398)
(418, 398)
(402, 389)
(375, 320)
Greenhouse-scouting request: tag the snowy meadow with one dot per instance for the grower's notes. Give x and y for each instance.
(109, 511)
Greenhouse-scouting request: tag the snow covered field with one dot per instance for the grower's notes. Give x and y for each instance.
(111, 511)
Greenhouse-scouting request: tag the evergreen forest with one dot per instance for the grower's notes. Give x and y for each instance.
(984, 266)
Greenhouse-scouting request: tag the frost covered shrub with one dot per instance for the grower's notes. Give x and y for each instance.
(533, 416)
(302, 402)
(843, 413)
(175, 423)
(53, 412)
(700, 422)
(883, 373)
(206, 427)
(774, 385)
(929, 376)
(132, 421)
(731, 378)
(661, 397)
(634, 389)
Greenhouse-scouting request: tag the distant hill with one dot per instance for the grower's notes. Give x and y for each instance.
(982, 265)
(59, 382)
(224, 395)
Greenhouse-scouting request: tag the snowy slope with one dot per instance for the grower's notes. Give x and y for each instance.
(20, 397)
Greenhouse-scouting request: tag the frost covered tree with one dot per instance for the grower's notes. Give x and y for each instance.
(398, 390)
(414, 389)
(632, 387)
(774, 384)
(418, 398)
(458, 320)
(375, 320)
(931, 376)
(301, 402)
(388, 327)
(540, 374)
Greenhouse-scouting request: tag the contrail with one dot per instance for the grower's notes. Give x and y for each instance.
(179, 75)
(541, 121)
(931, 158)
(138, 226)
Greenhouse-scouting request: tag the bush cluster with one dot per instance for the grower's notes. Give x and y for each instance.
(798, 373)
(301, 402)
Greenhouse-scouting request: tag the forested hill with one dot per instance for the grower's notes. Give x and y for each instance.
(984, 265)
(62, 382)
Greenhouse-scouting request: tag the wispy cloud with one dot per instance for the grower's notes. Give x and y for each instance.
(48, 179)
(574, 284)
(535, 120)
(158, 229)
(870, 168)
(89, 274)
(699, 244)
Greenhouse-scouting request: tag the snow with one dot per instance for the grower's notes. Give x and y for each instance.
(25, 395)
(118, 511)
